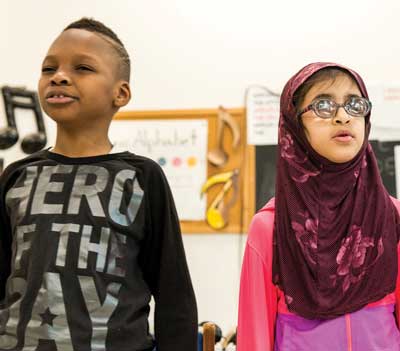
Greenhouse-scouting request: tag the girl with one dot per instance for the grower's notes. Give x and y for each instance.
(321, 261)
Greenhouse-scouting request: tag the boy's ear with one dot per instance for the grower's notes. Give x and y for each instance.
(122, 94)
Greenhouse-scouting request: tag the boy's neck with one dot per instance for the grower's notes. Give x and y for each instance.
(82, 144)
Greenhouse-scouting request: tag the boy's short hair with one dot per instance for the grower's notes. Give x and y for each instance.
(98, 27)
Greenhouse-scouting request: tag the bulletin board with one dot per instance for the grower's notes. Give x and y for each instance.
(241, 158)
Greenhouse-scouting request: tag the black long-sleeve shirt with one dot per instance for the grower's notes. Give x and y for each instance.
(84, 243)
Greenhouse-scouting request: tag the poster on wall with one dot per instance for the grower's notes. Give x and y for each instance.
(179, 147)
(385, 113)
(262, 116)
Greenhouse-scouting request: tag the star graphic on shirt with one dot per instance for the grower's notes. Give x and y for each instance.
(47, 317)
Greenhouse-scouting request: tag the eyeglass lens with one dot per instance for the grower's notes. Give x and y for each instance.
(355, 106)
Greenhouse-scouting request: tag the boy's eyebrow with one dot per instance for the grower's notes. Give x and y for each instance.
(86, 57)
(77, 57)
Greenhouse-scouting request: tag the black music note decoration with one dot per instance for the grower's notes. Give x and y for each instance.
(9, 136)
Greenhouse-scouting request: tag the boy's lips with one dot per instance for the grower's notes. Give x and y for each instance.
(59, 97)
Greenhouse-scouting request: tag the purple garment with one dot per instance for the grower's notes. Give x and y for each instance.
(369, 329)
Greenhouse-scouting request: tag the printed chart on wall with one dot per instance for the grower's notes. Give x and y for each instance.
(262, 114)
(179, 147)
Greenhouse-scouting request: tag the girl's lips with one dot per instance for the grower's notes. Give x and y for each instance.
(343, 138)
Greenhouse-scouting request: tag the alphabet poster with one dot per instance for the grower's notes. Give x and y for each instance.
(179, 147)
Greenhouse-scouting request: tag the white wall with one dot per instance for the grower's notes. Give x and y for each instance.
(194, 54)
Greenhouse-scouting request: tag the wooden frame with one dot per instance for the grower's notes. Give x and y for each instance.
(241, 158)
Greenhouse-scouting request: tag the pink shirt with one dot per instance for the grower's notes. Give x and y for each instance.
(262, 307)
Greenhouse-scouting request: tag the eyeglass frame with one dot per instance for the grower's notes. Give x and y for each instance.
(312, 107)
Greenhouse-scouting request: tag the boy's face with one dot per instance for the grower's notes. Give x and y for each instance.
(80, 81)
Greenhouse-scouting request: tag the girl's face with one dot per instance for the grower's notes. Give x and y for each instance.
(339, 138)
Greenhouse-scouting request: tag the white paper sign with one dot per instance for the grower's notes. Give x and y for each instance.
(262, 110)
(385, 114)
(179, 147)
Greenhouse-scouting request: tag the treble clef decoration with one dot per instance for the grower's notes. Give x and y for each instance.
(24, 99)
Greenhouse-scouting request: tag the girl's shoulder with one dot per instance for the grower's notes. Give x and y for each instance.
(396, 203)
(262, 227)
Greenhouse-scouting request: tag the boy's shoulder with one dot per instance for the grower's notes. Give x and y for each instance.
(148, 170)
(139, 161)
(22, 163)
(12, 171)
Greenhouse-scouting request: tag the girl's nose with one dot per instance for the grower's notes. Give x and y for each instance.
(342, 117)
(60, 78)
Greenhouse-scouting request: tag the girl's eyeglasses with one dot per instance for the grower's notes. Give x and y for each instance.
(326, 108)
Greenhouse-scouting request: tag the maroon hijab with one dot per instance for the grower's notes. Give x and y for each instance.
(336, 228)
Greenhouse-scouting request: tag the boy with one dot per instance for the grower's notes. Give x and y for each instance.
(87, 235)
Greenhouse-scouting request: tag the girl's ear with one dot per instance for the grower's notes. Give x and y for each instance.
(122, 94)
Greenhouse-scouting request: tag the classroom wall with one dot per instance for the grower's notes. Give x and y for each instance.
(200, 54)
